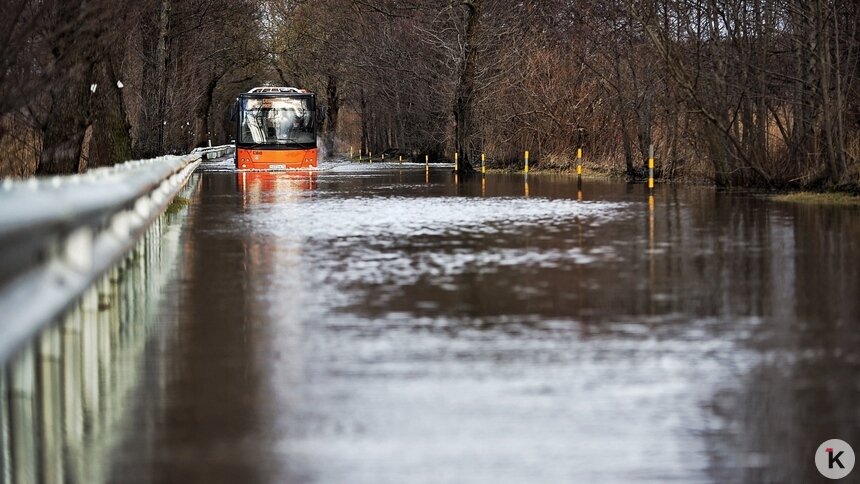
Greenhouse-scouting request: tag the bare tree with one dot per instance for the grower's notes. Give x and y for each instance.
(746, 92)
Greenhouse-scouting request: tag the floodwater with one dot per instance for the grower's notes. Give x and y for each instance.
(376, 324)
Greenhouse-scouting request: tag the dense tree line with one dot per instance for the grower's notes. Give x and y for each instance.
(741, 92)
(95, 82)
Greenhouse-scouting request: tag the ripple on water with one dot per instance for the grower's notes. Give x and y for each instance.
(397, 240)
(369, 217)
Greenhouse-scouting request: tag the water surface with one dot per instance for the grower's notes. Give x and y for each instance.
(375, 324)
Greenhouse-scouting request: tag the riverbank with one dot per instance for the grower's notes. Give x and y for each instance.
(818, 198)
(844, 195)
(599, 174)
(586, 173)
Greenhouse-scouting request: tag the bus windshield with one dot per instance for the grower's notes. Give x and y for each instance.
(277, 121)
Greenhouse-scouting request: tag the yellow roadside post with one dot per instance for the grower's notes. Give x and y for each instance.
(527, 163)
(483, 163)
(456, 161)
(651, 167)
(579, 161)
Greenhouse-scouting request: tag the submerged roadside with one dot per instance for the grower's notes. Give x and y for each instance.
(845, 194)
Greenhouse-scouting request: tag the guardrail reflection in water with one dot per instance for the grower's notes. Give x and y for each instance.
(64, 394)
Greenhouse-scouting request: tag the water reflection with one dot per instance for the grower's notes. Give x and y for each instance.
(216, 399)
(391, 325)
(801, 385)
(273, 186)
(700, 335)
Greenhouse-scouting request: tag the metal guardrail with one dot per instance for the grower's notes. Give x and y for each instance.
(214, 152)
(58, 235)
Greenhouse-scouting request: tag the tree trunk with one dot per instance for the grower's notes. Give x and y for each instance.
(627, 144)
(364, 131)
(805, 101)
(463, 99)
(832, 106)
(332, 111)
(161, 61)
(64, 130)
(204, 131)
(111, 142)
(644, 122)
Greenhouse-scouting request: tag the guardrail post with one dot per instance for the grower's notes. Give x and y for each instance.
(156, 243)
(50, 418)
(22, 415)
(90, 357)
(102, 322)
(72, 370)
(5, 435)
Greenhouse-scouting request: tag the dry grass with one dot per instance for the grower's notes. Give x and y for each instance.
(818, 198)
(19, 148)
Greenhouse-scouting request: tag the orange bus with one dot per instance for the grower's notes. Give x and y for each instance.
(276, 129)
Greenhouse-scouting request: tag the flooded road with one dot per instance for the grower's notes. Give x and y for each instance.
(372, 324)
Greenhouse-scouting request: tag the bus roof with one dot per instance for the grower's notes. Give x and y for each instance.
(277, 90)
